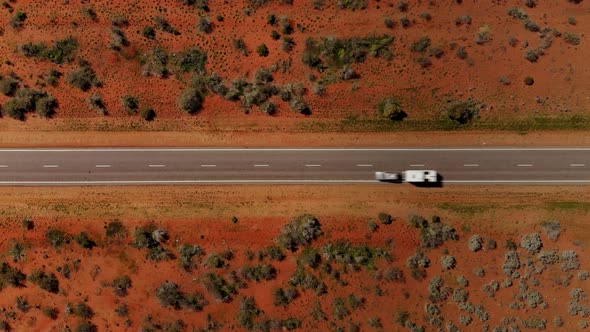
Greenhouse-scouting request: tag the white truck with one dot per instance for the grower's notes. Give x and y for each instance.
(410, 176)
(420, 176)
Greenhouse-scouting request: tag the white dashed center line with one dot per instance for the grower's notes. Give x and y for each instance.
(313, 165)
(261, 165)
(577, 165)
(525, 165)
(470, 165)
(50, 166)
(3, 166)
(156, 165)
(208, 165)
(102, 166)
(365, 165)
(417, 165)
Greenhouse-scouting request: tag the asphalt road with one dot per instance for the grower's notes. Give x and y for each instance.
(169, 166)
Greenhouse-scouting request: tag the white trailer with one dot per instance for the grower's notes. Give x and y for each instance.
(420, 176)
(388, 176)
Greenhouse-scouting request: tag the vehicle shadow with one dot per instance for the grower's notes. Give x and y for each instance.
(437, 184)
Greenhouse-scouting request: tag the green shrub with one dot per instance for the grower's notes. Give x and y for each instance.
(391, 108)
(572, 38)
(10, 276)
(420, 45)
(90, 13)
(83, 77)
(57, 237)
(190, 101)
(240, 45)
(121, 285)
(62, 51)
(8, 86)
(45, 281)
(187, 253)
(529, 80)
(299, 232)
(115, 228)
(219, 289)
(148, 32)
(84, 241)
(259, 272)
(162, 24)
(262, 50)
(82, 310)
(192, 60)
(352, 4)
(424, 62)
(248, 311)
(130, 103)
(275, 35)
(18, 19)
(45, 106)
(205, 25)
(461, 53)
(50, 312)
(147, 113)
(118, 39)
(462, 112)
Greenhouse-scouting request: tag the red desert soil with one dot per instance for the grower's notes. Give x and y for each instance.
(202, 216)
(560, 74)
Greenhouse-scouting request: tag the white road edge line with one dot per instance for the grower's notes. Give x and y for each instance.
(156, 165)
(261, 165)
(102, 166)
(179, 182)
(313, 165)
(524, 165)
(516, 181)
(470, 165)
(577, 165)
(50, 166)
(208, 165)
(365, 165)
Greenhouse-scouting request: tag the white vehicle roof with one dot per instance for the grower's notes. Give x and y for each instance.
(420, 176)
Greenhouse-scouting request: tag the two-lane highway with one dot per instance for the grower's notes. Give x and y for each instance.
(159, 166)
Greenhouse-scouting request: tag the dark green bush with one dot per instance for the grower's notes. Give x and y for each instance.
(421, 45)
(115, 228)
(192, 60)
(205, 25)
(462, 112)
(187, 253)
(219, 289)
(84, 241)
(62, 51)
(147, 113)
(162, 24)
(121, 285)
(46, 281)
(83, 77)
(262, 50)
(57, 237)
(248, 312)
(18, 19)
(10, 276)
(259, 272)
(529, 80)
(50, 312)
(391, 108)
(82, 310)
(572, 38)
(148, 32)
(300, 231)
(130, 103)
(8, 86)
(190, 101)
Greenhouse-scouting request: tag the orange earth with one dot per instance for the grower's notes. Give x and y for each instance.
(560, 74)
(203, 215)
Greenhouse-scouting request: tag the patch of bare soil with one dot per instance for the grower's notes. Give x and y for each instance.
(351, 267)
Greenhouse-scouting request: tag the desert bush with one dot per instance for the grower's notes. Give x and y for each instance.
(162, 24)
(389, 22)
(511, 262)
(262, 50)
(583, 275)
(17, 21)
(45, 106)
(46, 281)
(480, 272)
(391, 108)
(571, 38)
(50, 312)
(300, 231)
(533, 54)
(418, 260)
(169, 294)
(475, 243)
(82, 310)
(534, 298)
(461, 53)
(466, 306)
(240, 45)
(205, 25)
(462, 281)
(481, 313)
(22, 304)
(192, 60)
(483, 35)
(504, 80)
(90, 13)
(84, 241)
(436, 291)
(121, 285)
(404, 21)
(464, 19)
(190, 101)
(465, 320)
(16, 250)
(577, 294)
(10, 276)
(8, 86)
(148, 32)
(275, 253)
(552, 229)
(548, 257)
(507, 283)
(352, 4)
(220, 289)
(147, 113)
(83, 77)
(531, 25)
(57, 237)
(529, 80)
(130, 103)
(85, 326)
(343, 252)
(340, 310)
(385, 218)
(531, 243)
(431, 309)
(535, 322)
(248, 311)
(120, 21)
(448, 262)
(436, 52)
(115, 229)
(118, 39)
(462, 113)
(569, 260)
(490, 244)
(517, 13)
(310, 257)
(259, 272)
(187, 253)
(394, 274)
(421, 45)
